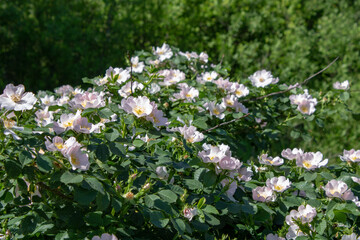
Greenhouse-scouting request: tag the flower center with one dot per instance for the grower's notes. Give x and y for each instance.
(216, 112)
(353, 158)
(262, 79)
(238, 92)
(59, 145)
(229, 102)
(307, 164)
(15, 97)
(74, 159)
(9, 123)
(188, 95)
(139, 110)
(304, 108)
(68, 123)
(278, 187)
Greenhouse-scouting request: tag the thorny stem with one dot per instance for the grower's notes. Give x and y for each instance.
(225, 123)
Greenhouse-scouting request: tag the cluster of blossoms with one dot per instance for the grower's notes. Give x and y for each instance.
(304, 215)
(71, 149)
(267, 193)
(342, 85)
(307, 160)
(306, 104)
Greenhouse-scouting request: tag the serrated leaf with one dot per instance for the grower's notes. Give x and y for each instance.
(158, 219)
(138, 143)
(44, 163)
(179, 225)
(168, 196)
(95, 184)
(69, 177)
(193, 184)
(112, 135)
(210, 209)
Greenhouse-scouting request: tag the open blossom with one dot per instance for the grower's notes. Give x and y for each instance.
(245, 174)
(223, 83)
(304, 213)
(204, 57)
(216, 109)
(10, 125)
(351, 156)
(44, 116)
(154, 88)
(136, 66)
(207, 77)
(48, 100)
(157, 116)
(188, 93)
(64, 90)
(278, 184)
(66, 122)
(291, 154)
(163, 52)
(105, 236)
(82, 125)
(130, 87)
(171, 76)
(232, 188)
(213, 154)
(338, 189)
(15, 98)
(306, 103)
(271, 236)
(189, 213)
(229, 163)
(139, 106)
(262, 78)
(189, 55)
(267, 160)
(87, 100)
(191, 134)
(239, 90)
(311, 160)
(342, 86)
(352, 236)
(263, 194)
(123, 75)
(56, 144)
(77, 158)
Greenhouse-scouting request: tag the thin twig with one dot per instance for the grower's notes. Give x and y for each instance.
(57, 192)
(131, 75)
(292, 87)
(225, 123)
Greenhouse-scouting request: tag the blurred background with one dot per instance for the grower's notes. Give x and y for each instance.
(48, 43)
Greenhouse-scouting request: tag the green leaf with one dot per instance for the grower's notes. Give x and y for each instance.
(158, 219)
(201, 203)
(102, 201)
(44, 163)
(12, 168)
(69, 177)
(294, 134)
(25, 158)
(168, 196)
(344, 96)
(95, 184)
(138, 143)
(210, 219)
(102, 152)
(106, 113)
(94, 218)
(209, 178)
(200, 123)
(320, 228)
(179, 225)
(310, 176)
(210, 209)
(112, 135)
(193, 184)
(150, 200)
(83, 196)
(118, 149)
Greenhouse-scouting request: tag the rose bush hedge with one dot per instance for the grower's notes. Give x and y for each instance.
(172, 147)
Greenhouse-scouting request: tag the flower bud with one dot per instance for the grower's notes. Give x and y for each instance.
(129, 196)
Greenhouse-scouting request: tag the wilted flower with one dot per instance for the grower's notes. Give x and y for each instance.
(291, 154)
(278, 184)
(351, 156)
(44, 116)
(129, 195)
(189, 213)
(204, 57)
(154, 88)
(263, 194)
(163, 52)
(15, 98)
(139, 106)
(338, 189)
(105, 236)
(311, 160)
(232, 188)
(342, 86)
(265, 159)
(162, 172)
(262, 78)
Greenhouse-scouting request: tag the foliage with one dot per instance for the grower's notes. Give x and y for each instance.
(143, 174)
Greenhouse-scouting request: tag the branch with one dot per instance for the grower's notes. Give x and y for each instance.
(292, 87)
(55, 191)
(225, 123)
(131, 75)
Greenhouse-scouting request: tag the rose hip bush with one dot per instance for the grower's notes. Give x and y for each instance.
(172, 147)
